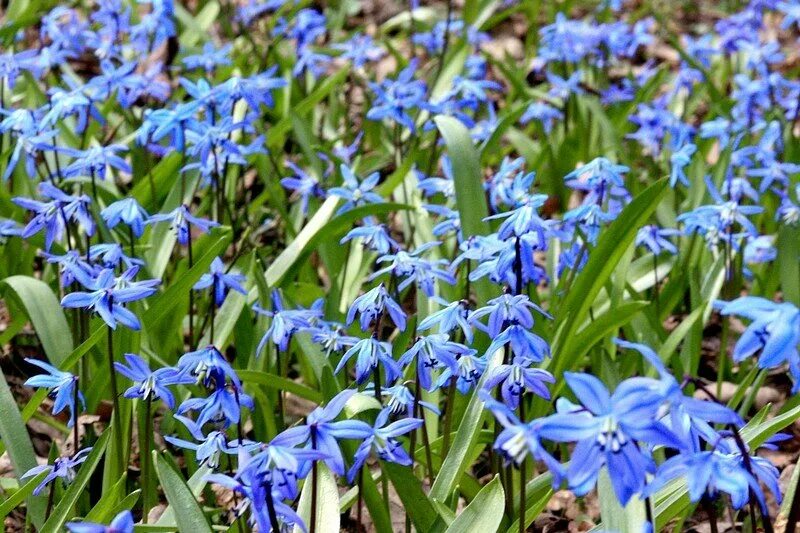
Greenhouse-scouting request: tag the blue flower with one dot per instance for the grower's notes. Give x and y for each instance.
(523, 343)
(370, 354)
(62, 467)
(210, 58)
(467, 370)
(515, 378)
(60, 386)
(210, 366)
(679, 160)
(220, 281)
(107, 294)
(54, 215)
(180, 221)
(383, 439)
(304, 185)
(111, 255)
(128, 211)
(452, 316)
(656, 239)
(208, 448)
(394, 99)
(373, 236)
(774, 330)
(505, 310)
(122, 523)
(410, 267)
(321, 432)
(286, 322)
(95, 161)
(608, 430)
(372, 305)
(356, 193)
(148, 384)
(401, 401)
(520, 439)
(221, 407)
(431, 352)
(359, 49)
(721, 469)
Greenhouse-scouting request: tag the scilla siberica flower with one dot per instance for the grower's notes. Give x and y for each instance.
(321, 432)
(208, 448)
(286, 322)
(221, 407)
(220, 281)
(515, 378)
(774, 330)
(520, 439)
(394, 99)
(453, 315)
(63, 468)
(122, 523)
(370, 354)
(107, 294)
(608, 430)
(383, 439)
(148, 384)
(373, 305)
(431, 352)
(127, 211)
(181, 221)
(356, 193)
(60, 387)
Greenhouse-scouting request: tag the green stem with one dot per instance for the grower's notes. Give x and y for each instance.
(145, 457)
(115, 400)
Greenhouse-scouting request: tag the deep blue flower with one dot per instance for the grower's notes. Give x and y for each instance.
(220, 281)
(95, 161)
(520, 439)
(394, 99)
(679, 160)
(210, 366)
(373, 305)
(373, 236)
(68, 264)
(210, 58)
(107, 294)
(54, 215)
(452, 316)
(111, 255)
(122, 523)
(608, 429)
(148, 384)
(411, 267)
(360, 50)
(286, 322)
(321, 432)
(400, 401)
(304, 185)
(721, 469)
(370, 354)
(505, 310)
(63, 467)
(383, 439)
(208, 448)
(221, 407)
(180, 220)
(467, 370)
(522, 342)
(774, 330)
(656, 240)
(128, 211)
(431, 352)
(356, 193)
(60, 387)
(9, 228)
(515, 378)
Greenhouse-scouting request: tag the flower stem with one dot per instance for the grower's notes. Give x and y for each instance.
(360, 502)
(191, 296)
(115, 401)
(313, 520)
(145, 457)
(448, 415)
(75, 436)
(273, 516)
(522, 506)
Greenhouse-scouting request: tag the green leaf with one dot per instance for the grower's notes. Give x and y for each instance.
(615, 517)
(484, 513)
(327, 513)
(419, 508)
(788, 263)
(458, 458)
(105, 509)
(196, 484)
(188, 514)
(16, 498)
(605, 325)
(45, 313)
(14, 435)
(470, 196)
(601, 263)
(63, 510)
(272, 381)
